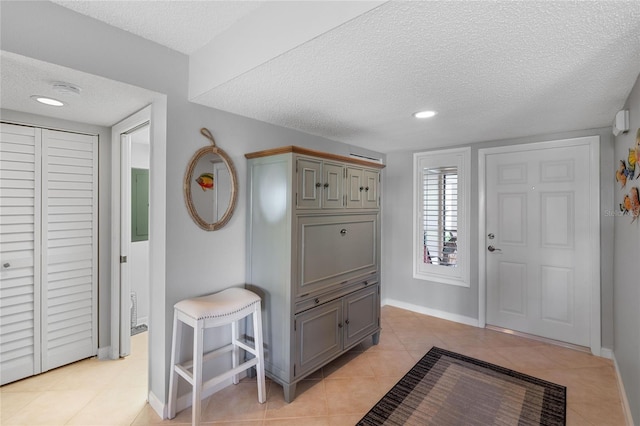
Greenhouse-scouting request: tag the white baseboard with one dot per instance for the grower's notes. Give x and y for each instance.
(606, 353)
(623, 395)
(104, 353)
(158, 406)
(142, 320)
(184, 401)
(432, 312)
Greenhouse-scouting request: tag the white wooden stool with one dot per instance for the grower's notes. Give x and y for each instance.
(215, 310)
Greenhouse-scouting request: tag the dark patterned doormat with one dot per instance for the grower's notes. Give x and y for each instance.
(446, 388)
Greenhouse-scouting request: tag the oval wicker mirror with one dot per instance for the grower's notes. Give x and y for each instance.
(210, 186)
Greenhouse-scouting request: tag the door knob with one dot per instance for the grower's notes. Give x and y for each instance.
(492, 249)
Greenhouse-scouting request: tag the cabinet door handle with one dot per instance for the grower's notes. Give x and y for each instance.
(6, 265)
(343, 231)
(318, 184)
(326, 185)
(346, 322)
(367, 189)
(316, 300)
(339, 325)
(366, 283)
(361, 188)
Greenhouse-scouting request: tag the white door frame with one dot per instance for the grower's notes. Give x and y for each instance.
(120, 231)
(594, 226)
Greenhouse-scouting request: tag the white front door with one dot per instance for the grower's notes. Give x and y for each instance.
(538, 240)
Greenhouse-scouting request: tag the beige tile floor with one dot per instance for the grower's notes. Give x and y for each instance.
(95, 392)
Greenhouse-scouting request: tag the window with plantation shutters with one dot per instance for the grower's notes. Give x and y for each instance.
(440, 215)
(441, 223)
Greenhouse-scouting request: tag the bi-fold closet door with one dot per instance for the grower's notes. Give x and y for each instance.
(48, 249)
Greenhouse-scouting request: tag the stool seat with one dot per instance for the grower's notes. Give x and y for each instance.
(225, 303)
(229, 306)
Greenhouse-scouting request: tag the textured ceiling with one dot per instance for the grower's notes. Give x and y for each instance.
(493, 70)
(182, 25)
(102, 102)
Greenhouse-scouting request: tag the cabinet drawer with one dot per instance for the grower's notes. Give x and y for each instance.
(335, 249)
(308, 301)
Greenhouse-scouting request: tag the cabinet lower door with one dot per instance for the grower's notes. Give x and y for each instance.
(361, 315)
(318, 336)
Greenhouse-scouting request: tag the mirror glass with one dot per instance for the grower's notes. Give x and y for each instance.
(210, 187)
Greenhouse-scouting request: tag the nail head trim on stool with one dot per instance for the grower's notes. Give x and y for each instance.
(215, 310)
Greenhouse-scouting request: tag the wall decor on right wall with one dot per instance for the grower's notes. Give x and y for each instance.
(629, 168)
(636, 153)
(631, 204)
(628, 171)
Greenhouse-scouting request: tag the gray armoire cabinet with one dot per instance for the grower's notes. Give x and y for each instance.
(313, 254)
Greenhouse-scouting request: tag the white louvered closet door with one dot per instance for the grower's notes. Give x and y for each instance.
(48, 249)
(19, 252)
(69, 249)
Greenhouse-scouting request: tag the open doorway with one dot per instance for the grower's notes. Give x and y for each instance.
(139, 149)
(130, 281)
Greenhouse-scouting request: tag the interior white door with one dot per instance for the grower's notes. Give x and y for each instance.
(125, 245)
(70, 247)
(538, 241)
(20, 238)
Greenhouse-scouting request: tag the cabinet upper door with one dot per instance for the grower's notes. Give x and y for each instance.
(370, 198)
(333, 185)
(362, 188)
(355, 187)
(309, 183)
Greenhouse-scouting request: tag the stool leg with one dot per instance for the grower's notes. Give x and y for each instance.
(175, 358)
(257, 332)
(235, 352)
(198, 347)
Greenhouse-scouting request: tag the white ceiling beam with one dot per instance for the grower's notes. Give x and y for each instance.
(271, 30)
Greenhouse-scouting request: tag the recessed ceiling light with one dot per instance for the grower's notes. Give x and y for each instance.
(47, 101)
(424, 114)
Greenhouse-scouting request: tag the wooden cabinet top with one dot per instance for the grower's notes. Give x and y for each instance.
(304, 151)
